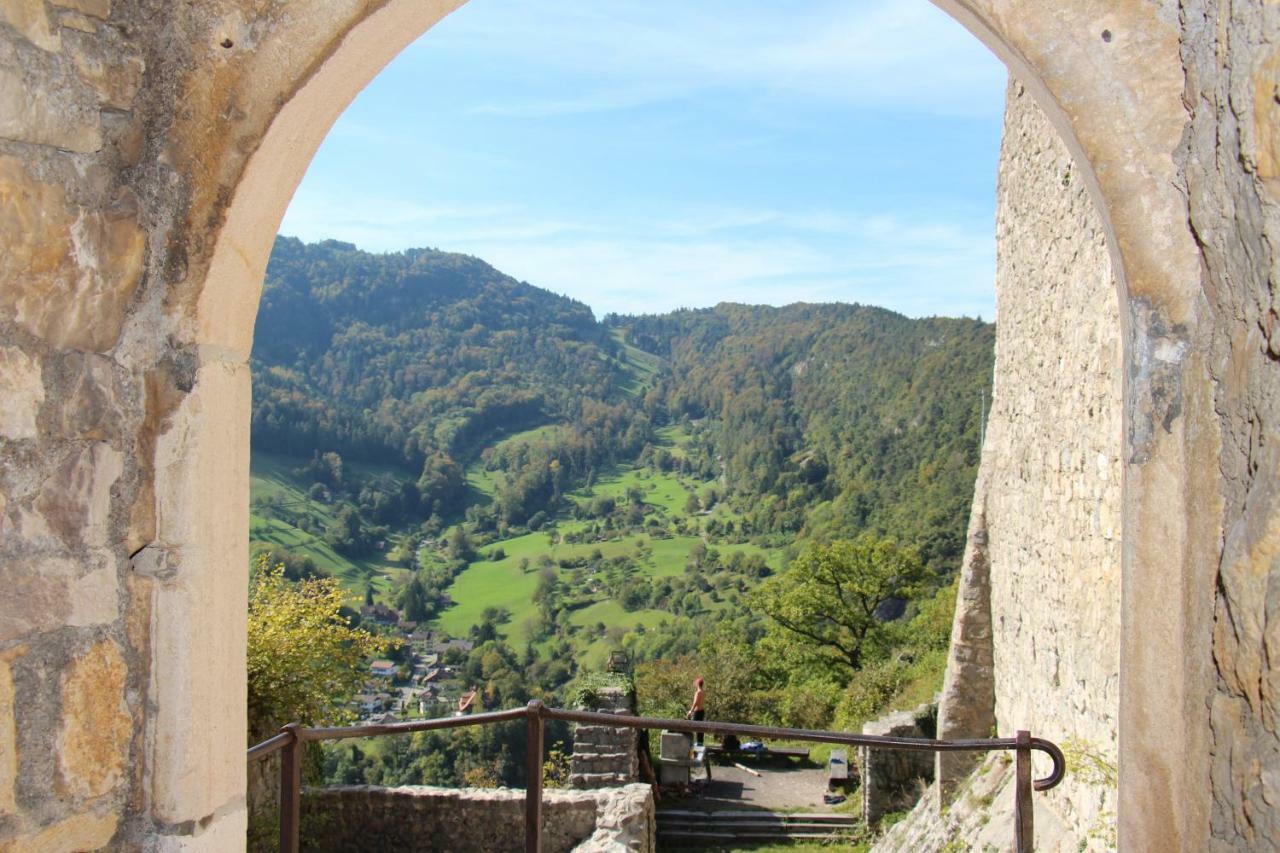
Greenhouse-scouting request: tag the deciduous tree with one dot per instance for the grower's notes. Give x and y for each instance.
(827, 601)
(304, 660)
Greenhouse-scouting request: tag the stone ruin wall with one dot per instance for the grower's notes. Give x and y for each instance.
(355, 818)
(125, 132)
(84, 393)
(1036, 642)
(1231, 160)
(1051, 466)
(124, 128)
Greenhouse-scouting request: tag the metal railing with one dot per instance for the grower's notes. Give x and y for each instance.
(292, 737)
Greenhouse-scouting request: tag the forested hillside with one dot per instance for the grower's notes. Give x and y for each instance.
(421, 359)
(828, 420)
(818, 420)
(481, 459)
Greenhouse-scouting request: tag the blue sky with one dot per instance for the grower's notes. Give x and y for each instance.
(643, 156)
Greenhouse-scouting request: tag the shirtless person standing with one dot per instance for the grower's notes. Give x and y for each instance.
(697, 710)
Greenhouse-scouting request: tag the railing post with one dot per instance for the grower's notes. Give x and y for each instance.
(1023, 810)
(533, 785)
(291, 791)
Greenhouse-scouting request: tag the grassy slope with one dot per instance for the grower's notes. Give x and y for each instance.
(502, 583)
(642, 365)
(271, 476)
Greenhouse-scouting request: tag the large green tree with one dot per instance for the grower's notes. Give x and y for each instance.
(829, 600)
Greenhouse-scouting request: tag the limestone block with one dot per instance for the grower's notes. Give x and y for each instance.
(223, 832)
(89, 405)
(93, 739)
(76, 500)
(31, 19)
(198, 628)
(116, 77)
(47, 593)
(8, 734)
(45, 106)
(95, 597)
(1266, 118)
(87, 831)
(36, 595)
(94, 8)
(69, 272)
(22, 391)
(75, 21)
(625, 821)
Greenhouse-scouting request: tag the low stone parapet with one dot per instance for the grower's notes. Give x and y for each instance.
(893, 779)
(345, 819)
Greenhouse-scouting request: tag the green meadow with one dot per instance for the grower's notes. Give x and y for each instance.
(271, 479)
(284, 515)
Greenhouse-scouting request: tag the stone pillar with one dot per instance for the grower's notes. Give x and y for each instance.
(605, 756)
(892, 778)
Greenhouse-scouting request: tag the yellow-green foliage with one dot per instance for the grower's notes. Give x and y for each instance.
(1087, 763)
(305, 661)
(556, 767)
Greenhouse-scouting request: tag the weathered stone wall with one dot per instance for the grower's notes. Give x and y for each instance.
(1051, 465)
(1036, 638)
(124, 128)
(87, 382)
(358, 818)
(894, 778)
(1231, 158)
(147, 152)
(606, 756)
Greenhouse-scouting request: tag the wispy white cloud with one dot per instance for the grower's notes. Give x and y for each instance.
(695, 257)
(901, 54)
(715, 214)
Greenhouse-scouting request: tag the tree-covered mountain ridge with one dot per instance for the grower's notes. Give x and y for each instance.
(854, 416)
(817, 419)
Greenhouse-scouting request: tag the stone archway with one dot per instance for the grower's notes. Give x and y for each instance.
(1091, 74)
(143, 173)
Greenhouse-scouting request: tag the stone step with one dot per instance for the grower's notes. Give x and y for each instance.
(745, 826)
(710, 838)
(690, 828)
(728, 815)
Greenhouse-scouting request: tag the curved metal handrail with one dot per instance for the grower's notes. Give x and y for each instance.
(536, 713)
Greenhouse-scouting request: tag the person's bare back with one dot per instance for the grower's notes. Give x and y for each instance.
(697, 709)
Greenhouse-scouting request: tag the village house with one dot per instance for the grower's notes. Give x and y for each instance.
(379, 613)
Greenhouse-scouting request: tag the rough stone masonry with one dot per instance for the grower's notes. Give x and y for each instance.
(147, 151)
(1036, 639)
